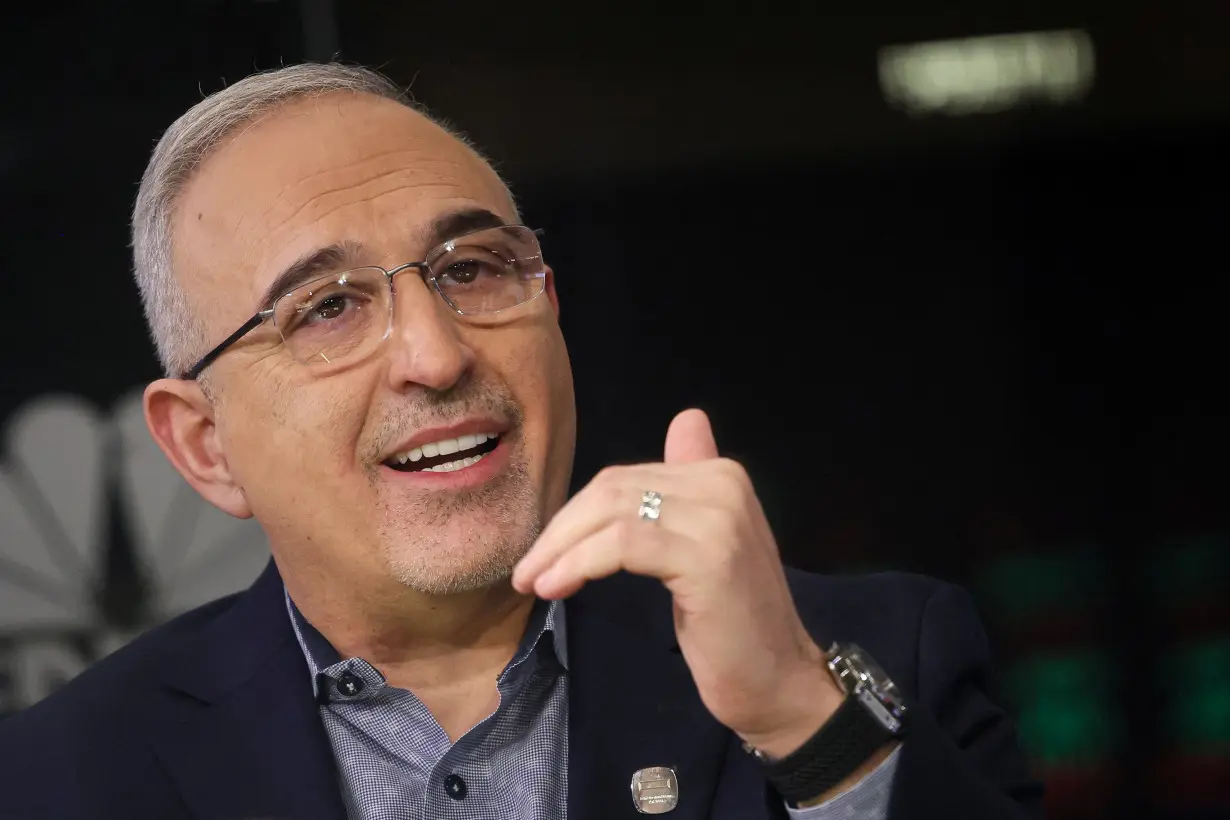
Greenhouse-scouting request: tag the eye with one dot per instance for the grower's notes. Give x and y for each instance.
(331, 307)
(470, 270)
(327, 308)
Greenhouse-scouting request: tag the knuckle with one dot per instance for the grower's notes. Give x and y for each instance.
(621, 530)
(734, 478)
(611, 476)
(607, 483)
(733, 471)
(607, 473)
(613, 493)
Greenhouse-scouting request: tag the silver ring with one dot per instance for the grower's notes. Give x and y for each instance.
(651, 505)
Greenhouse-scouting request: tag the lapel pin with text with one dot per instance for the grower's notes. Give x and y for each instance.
(655, 790)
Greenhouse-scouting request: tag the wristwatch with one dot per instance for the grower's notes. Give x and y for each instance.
(872, 714)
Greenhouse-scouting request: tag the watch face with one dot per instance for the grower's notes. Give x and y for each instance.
(874, 677)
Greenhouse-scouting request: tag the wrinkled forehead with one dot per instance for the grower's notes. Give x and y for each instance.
(336, 169)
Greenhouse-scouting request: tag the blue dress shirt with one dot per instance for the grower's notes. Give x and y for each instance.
(394, 759)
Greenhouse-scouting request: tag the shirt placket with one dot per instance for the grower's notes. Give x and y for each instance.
(461, 780)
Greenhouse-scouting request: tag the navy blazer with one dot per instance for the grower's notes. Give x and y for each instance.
(211, 715)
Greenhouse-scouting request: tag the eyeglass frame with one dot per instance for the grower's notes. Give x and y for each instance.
(425, 272)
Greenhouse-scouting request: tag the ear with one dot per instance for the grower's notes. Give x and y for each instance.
(181, 420)
(551, 294)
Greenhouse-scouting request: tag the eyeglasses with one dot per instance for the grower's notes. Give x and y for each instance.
(335, 321)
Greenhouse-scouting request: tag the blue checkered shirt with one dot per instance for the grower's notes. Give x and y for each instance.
(394, 760)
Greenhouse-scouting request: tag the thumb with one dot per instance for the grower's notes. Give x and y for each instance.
(690, 438)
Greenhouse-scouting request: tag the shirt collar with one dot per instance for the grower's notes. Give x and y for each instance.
(545, 617)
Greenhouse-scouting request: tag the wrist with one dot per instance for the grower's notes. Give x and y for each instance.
(809, 703)
(850, 743)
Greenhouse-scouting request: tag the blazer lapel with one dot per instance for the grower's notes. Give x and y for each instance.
(243, 737)
(632, 703)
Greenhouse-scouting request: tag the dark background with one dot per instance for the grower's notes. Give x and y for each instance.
(988, 348)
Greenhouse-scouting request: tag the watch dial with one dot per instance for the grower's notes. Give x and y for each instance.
(874, 676)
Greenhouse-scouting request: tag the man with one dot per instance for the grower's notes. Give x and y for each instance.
(363, 352)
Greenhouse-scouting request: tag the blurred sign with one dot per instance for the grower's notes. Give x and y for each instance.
(984, 74)
(68, 473)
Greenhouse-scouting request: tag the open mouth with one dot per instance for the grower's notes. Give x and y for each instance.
(446, 455)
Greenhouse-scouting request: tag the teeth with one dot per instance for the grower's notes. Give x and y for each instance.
(445, 447)
(452, 466)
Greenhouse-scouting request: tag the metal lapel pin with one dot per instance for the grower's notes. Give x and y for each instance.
(655, 790)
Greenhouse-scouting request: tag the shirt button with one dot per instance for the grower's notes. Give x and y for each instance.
(455, 786)
(349, 684)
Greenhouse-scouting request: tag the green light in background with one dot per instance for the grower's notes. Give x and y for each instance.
(1032, 586)
(1066, 713)
(1198, 717)
(1191, 569)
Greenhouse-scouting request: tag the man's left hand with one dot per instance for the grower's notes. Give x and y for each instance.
(757, 669)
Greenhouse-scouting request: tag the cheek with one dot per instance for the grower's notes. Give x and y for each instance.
(561, 399)
(293, 449)
(564, 432)
(541, 378)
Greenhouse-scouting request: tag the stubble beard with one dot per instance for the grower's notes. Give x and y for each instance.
(462, 541)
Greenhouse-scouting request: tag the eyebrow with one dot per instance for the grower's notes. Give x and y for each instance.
(339, 256)
(331, 258)
(459, 223)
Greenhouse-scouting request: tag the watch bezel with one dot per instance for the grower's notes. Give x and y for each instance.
(877, 694)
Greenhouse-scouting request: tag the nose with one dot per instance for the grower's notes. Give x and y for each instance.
(425, 346)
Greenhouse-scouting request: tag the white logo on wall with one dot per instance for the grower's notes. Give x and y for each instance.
(63, 460)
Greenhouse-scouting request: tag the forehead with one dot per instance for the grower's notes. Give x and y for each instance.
(332, 169)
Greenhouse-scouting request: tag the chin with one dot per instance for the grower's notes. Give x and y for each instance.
(447, 543)
(446, 565)
(435, 578)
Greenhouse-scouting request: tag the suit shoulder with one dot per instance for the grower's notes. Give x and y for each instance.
(98, 699)
(882, 612)
(903, 592)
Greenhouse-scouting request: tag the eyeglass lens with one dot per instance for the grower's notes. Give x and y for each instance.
(339, 318)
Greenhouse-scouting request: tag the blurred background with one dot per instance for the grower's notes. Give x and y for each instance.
(948, 278)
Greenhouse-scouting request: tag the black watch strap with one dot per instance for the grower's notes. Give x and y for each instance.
(846, 741)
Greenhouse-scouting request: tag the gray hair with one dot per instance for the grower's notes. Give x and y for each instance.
(178, 333)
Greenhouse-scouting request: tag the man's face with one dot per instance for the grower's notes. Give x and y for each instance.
(312, 453)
